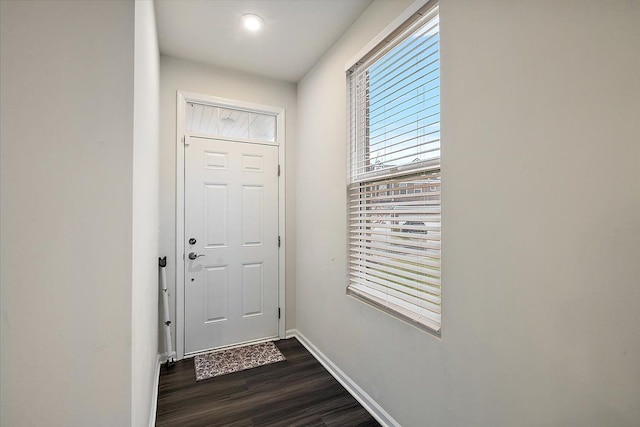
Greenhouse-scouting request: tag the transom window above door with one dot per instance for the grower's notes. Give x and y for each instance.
(216, 121)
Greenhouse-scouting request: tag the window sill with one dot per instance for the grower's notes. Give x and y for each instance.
(408, 319)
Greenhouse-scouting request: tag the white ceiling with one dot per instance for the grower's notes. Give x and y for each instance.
(295, 35)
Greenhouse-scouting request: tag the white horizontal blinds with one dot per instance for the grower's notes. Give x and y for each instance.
(395, 100)
(394, 177)
(216, 121)
(394, 244)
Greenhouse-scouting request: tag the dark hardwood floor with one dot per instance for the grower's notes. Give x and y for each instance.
(296, 392)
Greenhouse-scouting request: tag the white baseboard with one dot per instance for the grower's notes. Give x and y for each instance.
(154, 395)
(354, 389)
(290, 333)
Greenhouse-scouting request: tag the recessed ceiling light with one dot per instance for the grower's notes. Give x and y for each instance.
(252, 22)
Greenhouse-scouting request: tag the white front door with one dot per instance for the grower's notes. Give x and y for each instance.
(231, 231)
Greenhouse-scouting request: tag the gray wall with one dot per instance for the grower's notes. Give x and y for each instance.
(176, 74)
(78, 317)
(541, 230)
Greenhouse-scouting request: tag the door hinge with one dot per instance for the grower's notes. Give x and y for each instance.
(278, 312)
(278, 241)
(278, 170)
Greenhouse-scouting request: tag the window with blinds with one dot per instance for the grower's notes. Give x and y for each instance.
(394, 173)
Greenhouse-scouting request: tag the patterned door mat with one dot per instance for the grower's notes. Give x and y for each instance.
(237, 359)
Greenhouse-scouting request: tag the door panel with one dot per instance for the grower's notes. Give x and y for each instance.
(252, 287)
(231, 210)
(252, 212)
(216, 283)
(215, 215)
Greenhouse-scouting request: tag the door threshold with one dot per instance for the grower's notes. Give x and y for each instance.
(230, 346)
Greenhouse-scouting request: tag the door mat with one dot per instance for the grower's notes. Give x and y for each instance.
(237, 359)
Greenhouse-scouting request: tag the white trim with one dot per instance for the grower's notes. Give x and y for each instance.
(282, 210)
(291, 333)
(154, 394)
(179, 279)
(408, 13)
(354, 389)
(182, 98)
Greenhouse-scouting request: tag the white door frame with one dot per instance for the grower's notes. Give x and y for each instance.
(182, 99)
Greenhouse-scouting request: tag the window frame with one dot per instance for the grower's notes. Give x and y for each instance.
(358, 178)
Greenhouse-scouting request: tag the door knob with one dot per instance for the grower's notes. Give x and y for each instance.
(194, 255)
